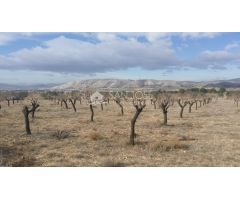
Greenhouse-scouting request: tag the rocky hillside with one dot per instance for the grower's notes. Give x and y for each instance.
(128, 84)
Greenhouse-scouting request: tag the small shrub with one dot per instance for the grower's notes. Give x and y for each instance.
(61, 135)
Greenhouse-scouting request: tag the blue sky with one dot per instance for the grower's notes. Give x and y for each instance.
(33, 58)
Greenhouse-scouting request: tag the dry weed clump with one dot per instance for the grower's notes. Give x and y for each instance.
(61, 134)
(186, 138)
(169, 145)
(95, 136)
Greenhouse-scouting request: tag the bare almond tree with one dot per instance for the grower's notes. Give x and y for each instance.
(190, 103)
(80, 99)
(73, 97)
(73, 102)
(182, 102)
(87, 96)
(118, 102)
(26, 111)
(1, 99)
(64, 100)
(92, 111)
(35, 105)
(8, 99)
(193, 99)
(236, 98)
(153, 102)
(139, 106)
(164, 101)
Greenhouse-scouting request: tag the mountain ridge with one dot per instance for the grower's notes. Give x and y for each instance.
(126, 84)
(152, 84)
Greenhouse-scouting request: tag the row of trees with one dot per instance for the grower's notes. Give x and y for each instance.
(220, 91)
(235, 96)
(12, 97)
(159, 100)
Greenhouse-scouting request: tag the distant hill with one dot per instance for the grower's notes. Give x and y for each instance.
(224, 84)
(127, 84)
(232, 83)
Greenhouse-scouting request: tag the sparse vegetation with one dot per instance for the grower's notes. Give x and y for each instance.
(103, 143)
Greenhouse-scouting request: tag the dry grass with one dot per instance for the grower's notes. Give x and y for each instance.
(15, 157)
(169, 145)
(208, 136)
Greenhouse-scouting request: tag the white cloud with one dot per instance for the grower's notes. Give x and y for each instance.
(184, 35)
(197, 35)
(215, 59)
(154, 36)
(232, 46)
(70, 55)
(106, 36)
(6, 38)
(213, 56)
(113, 53)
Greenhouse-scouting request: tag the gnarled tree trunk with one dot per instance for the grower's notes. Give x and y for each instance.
(26, 118)
(92, 112)
(65, 103)
(120, 105)
(8, 102)
(165, 118)
(139, 109)
(190, 107)
(181, 112)
(182, 105)
(35, 105)
(73, 102)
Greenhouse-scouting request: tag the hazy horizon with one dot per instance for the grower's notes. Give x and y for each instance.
(52, 83)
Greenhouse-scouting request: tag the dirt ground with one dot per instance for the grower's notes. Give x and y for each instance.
(208, 136)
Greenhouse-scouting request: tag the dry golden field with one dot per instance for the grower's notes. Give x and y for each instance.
(208, 136)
